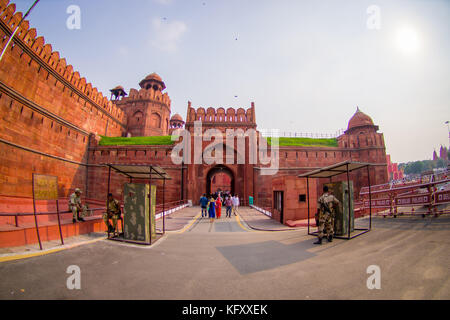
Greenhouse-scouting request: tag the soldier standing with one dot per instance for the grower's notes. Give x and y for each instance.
(326, 215)
(75, 205)
(112, 212)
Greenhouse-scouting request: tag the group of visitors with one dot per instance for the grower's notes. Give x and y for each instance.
(212, 205)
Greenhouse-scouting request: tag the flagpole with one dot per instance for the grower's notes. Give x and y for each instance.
(17, 28)
(448, 128)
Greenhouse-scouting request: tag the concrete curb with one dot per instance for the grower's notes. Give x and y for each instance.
(22, 255)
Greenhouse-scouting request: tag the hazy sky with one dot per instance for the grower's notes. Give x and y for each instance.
(305, 64)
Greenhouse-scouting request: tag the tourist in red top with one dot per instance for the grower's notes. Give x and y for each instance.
(218, 207)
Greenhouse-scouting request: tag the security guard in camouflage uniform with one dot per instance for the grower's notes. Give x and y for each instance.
(112, 212)
(326, 215)
(75, 205)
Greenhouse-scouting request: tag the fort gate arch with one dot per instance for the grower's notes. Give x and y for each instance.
(220, 169)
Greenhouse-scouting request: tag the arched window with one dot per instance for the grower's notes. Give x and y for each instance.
(155, 120)
(137, 117)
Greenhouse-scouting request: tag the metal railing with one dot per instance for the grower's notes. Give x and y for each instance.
(25, 214)
(169, 205)
(287, 134)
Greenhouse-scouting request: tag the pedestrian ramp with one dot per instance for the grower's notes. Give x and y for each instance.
(190, 220)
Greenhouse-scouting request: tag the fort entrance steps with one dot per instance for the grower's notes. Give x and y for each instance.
(20, 230)
(25, 234)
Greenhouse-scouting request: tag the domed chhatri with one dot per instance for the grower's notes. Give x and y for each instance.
(153, 76)
(118, 92)
(176, 117)
(176, 121)
(359, 119)
(154, 81)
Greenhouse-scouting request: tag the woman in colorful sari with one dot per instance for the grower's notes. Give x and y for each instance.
(212, 209)
(218, 207)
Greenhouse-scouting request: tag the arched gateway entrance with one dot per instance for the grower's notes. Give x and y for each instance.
(221, 178)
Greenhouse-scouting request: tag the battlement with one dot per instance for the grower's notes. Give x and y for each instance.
(26, 41)
(220, 115)
(146, 94)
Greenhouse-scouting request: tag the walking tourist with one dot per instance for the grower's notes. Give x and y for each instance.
(235, 201)
(228, 204)
(212, 209)
(203, 205)
(218, 207)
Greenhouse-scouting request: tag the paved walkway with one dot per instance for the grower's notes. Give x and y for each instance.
(177, 220)
(259, 221)
(248, 217)
(227, 260)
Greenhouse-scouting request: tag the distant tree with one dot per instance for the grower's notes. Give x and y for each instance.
(415, 167)
(441, 163)
(428, 165)
(418, 167)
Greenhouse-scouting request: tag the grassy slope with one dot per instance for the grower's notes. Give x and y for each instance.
(305, 142)
(146, 141)
(166, 140)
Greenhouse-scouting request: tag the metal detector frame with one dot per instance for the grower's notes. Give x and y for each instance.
(330, 172)
(143, 172)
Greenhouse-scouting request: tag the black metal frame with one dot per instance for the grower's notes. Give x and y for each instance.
(129, 174)
(338, 172)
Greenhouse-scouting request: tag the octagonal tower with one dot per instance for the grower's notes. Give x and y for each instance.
(147, 110)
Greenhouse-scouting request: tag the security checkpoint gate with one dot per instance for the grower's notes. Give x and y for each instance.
(341, 220)
(139, 212)
(337, 169)
(139, 201)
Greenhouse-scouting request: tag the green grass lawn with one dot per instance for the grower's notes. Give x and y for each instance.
(305, 142)
(166, 140)
(144, 141)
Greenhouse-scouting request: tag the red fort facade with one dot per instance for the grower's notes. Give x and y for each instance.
(52, 119)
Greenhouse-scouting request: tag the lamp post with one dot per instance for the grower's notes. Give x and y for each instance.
(17, 28)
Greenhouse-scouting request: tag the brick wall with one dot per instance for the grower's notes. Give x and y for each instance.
(143, 155)
(47, 112)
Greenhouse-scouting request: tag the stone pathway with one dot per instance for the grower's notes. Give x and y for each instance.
(177, 220)
(259, 221)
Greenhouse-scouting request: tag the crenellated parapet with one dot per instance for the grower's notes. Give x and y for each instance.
(146, 94)
(223, 116)
(28, 42)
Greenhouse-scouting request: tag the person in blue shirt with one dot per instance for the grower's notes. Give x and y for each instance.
(204, 203)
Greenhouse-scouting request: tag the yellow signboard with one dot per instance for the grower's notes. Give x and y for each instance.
(45, 187)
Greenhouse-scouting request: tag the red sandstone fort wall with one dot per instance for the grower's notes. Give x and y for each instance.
(150, 155)
(47, 112)
(296, 160)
